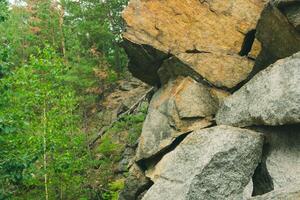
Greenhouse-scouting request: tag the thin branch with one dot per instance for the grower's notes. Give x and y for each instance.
(128, 112)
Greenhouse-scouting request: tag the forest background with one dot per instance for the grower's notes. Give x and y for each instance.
(57, 60)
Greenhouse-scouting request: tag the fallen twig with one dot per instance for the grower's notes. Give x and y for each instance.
(128, 112)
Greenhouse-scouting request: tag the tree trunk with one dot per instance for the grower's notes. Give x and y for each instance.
(117, 58)
(45, 151)
(61, 23)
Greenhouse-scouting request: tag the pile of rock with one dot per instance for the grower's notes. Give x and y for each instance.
(225, 121)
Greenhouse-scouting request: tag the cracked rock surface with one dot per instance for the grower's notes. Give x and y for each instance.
(214, 31)
(281, 158)
(272, 97)
(213, 163)
(178, 107)
(289, 192)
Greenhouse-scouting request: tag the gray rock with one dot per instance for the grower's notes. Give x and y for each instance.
(281, 159)
(178, 107)
(290, 192)
(248, 190)
(272, 97)
(276, 30)
(213, 163)
(291, 9)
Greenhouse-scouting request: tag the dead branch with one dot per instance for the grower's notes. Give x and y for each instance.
(121, 116)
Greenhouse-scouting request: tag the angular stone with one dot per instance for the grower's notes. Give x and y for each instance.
(289, 192)
(178, 107)
(213, 163)
(272, 97)
(281, 159)
(276, 32)
(205, 30)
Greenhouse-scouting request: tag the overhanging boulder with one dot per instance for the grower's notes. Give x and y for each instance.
(212, 37)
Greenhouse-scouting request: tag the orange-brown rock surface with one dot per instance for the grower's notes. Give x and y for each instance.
(213, 37)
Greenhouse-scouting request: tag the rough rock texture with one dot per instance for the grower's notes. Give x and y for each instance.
(281, 158)
(213, 163)
(277, 31)
(195, 52)
(212, 37)
(272, 97)
(178, 107)
(136, 183)
(291, 8)
(289, 192)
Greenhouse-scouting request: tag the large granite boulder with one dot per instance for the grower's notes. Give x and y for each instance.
(289, 192)
(272, 97)
(213, 163)
(278, 30)
(180, 106)
(281, 159)
(212, 37)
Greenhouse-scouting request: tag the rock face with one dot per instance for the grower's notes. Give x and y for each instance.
(178, 107)
(278, 31)
(214, 163)
(272, 97)
(291, 8)
(196, 52)
(212, 37)
(289, 192)
(281, 159)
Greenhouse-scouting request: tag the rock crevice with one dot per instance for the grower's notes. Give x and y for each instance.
(224, 122)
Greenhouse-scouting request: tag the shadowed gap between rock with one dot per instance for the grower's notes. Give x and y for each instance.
(196, 51)
(144, 61)
(248, 43)
(144, 188)
(145, 164)
(262, 181)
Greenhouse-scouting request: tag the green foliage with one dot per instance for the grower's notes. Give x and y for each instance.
(95, 27)
(111, 148)
(114, 190)
(44, 96)
(3, 10)
(5, 64)
(107, 147)
(17, 37)
(33, 89)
